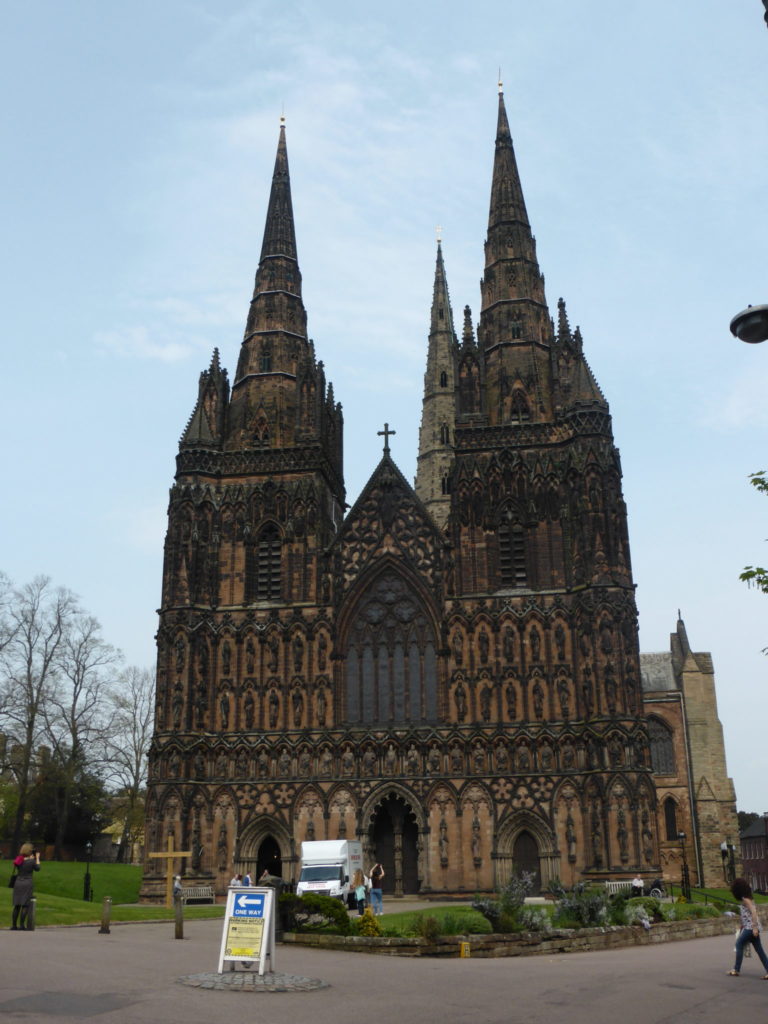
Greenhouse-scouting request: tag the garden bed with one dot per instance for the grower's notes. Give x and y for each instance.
(561, 940)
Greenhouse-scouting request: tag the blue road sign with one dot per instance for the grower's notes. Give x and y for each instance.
(248, 905)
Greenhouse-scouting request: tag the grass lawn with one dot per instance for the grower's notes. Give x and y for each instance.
(59, 892)
(459, 920)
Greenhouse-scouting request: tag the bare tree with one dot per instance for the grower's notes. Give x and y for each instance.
(128, 743)
(38, 618)
(77, 710)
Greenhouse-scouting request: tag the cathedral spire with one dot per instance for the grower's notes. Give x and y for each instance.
(277, 318)
(279, 231)
(438, 413)
(507, 202)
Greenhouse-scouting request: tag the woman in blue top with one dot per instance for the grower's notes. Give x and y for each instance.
(750, 927)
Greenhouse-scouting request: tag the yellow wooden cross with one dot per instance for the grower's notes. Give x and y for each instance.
(170, 856)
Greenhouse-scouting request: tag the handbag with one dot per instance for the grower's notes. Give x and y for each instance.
(12, 879)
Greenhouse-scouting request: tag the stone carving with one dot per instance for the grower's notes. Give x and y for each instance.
(249, 709)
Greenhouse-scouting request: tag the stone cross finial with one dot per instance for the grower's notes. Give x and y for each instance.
(385, 434)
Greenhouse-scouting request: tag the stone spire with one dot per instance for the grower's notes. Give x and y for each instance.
(276, 331)
(438, 411)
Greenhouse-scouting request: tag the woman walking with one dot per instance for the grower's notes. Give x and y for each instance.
(27, 862)
(750, 927)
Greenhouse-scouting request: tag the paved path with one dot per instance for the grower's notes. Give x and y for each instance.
(63, 975)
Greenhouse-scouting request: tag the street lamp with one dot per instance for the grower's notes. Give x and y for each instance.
(751, 324)
(87, 894)
(685, 881)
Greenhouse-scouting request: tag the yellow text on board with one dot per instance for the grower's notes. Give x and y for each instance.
(244, 937)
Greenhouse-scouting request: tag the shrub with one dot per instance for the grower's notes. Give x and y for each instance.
(313, 912)
(650, 904)
(368, 924)
(503, 911)
(427, 926)
(534, 919)
(691, 911)
(585, 904)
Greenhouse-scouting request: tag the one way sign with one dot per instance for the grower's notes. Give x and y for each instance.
(248, 905)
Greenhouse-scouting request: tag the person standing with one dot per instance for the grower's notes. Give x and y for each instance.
(27, 861)
(750, 927)
(247, 879)
(377, 874)
(358, 886)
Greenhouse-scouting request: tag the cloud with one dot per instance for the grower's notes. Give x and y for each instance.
(136, 343)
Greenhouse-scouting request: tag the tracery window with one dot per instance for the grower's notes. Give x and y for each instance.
(662, 747)
(391, 664)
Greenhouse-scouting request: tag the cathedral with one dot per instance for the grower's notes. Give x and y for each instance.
(450, 672)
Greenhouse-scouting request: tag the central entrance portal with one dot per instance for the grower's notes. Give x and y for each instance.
(394, 841)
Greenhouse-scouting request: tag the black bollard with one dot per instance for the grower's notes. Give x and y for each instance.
(106, 913)
(178, 910)
(31, 915)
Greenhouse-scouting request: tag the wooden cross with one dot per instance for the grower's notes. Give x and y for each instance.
(170, 856)
(385, 434)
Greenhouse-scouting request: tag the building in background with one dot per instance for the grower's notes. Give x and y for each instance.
(451, 672)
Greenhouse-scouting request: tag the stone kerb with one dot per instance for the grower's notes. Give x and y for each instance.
(562, 940)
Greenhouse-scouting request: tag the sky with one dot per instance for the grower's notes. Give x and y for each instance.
(138, 142)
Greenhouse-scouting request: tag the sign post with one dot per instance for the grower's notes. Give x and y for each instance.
(169, 858)
(249, 928)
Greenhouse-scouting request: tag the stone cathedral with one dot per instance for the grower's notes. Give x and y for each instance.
(450, 672)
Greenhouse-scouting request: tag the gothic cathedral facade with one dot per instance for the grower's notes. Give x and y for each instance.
(451, 671)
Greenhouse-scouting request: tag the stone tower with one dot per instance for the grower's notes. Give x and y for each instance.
(450, 673)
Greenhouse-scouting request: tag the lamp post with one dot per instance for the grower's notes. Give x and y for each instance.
(751, 324)
(685, 880)
(87, 880)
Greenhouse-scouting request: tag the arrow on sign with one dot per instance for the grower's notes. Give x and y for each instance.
(245, 901)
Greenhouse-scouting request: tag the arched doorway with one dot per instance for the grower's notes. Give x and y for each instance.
(268, 859)
(394, 836)
(525, 857)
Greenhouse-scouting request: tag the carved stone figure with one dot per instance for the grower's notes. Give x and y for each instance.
(564, 695)
(226, 657)
(284, 763)
(390, 760)
(369, 762)
(274, 708)
(321, 707)
(250, 656)
(511, 698)
(298, 652)
(273, 645)
(560, 642)
(535, 640)
(443, 843)
(326, 762)
(457, 758)
(347, 762)
(297, 700)
(482, 643)
(509, 645)
(458, 648)
(538, 700)
(460, 696)
(177, 705)
(249, 709)
(224, 709)
(180, 654)
(477, 859)
(485, 703)
(322, 651)
(570, 838)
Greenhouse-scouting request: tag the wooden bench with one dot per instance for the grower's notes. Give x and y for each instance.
(614, 887)
(198, 894)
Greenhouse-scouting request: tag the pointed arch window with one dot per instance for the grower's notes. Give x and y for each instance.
(445, 484)
(263, 566)
(445, 434)
(519, 408)
(391, 656)
(443, 379)
(670, 818)
(512, 558)
(266, 358)
(662, 747)
(517, 328)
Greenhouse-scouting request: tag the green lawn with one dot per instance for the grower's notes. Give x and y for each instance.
(59, 895)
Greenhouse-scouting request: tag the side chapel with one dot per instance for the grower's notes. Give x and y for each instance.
(451, 671)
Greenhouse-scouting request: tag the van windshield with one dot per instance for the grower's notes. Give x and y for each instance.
(321, 873)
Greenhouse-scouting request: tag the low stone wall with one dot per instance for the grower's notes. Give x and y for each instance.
(563, 940)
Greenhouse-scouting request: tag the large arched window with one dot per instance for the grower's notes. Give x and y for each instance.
(662, 747)
(262, 566)
(391, 662)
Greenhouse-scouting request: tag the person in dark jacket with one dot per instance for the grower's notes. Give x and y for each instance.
(27, 861)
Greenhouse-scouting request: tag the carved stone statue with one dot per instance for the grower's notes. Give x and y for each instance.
(535, 644)
(226, 657)
(249, 709)
(458, 648)
(298, 652)
(485, 703)
(298, 707)
(274, 649)
(538, 700)
(322, 651)
(509, 645)
(321, 706)
(224, 709)
(560, 642)
(460, 696)
(274, 708)
(482, 643)
(443, 843)
(250, 656)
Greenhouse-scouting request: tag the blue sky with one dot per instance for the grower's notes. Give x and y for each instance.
(138, 143)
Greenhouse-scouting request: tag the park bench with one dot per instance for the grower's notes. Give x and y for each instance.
(614, 887)
(198, 894)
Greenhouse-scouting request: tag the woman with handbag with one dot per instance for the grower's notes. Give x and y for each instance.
(27, 861)
(750, 926)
